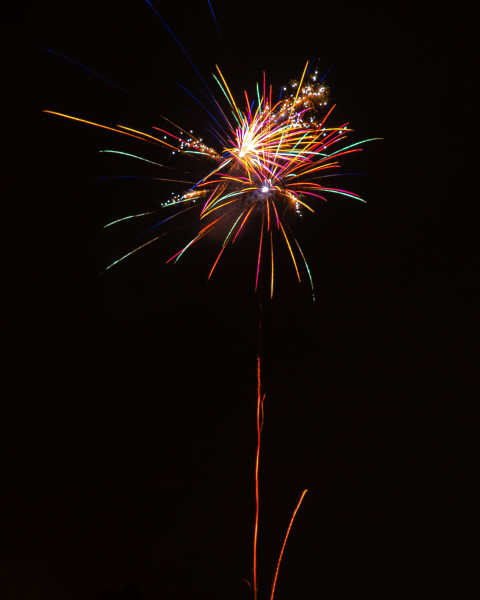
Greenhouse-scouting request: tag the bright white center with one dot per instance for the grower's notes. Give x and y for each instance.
(264, 189)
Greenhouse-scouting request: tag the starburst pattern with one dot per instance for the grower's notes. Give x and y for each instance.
(272, 159)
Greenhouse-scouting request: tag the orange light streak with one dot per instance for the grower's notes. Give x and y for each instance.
(285, 541)
(51, 112)
(291, 251)
(260, 400)
(259, 255)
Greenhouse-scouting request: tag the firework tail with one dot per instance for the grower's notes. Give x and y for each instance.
(285, 542)
(260, 399)
(259, 422)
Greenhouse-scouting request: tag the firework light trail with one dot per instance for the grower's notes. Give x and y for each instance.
(266, 168)
(269, 166)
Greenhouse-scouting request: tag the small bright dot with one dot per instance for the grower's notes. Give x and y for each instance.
(264, 189)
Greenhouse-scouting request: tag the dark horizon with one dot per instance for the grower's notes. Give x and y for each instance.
(128, 436)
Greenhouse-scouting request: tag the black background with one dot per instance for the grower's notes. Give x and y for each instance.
(128, 428)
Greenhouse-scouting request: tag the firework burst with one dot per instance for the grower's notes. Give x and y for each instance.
(269, 166)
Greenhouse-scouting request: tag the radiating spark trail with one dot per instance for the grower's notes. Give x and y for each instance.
(215, 19)
(133, 251)
(74, 62)
(135, 156)
(177, 41)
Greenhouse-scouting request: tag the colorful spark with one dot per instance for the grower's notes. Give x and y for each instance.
(273, 157)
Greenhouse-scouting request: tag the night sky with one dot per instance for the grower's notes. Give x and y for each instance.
(127, 437)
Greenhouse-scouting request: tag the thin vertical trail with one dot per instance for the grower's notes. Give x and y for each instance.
(260, 419)
(260, 400)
